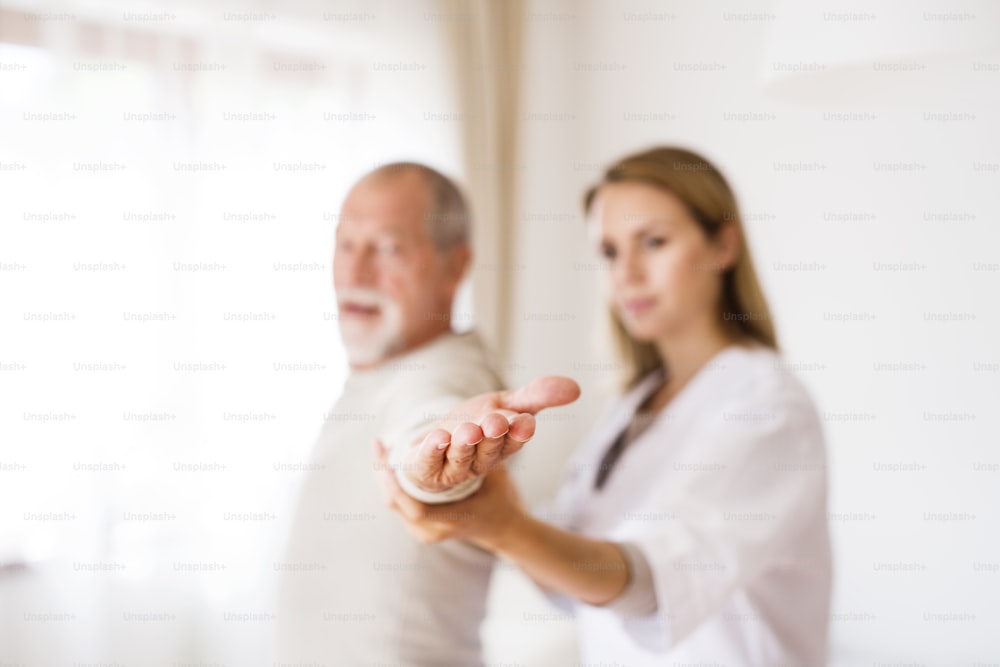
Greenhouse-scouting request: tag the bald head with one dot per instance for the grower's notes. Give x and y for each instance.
(447, 213)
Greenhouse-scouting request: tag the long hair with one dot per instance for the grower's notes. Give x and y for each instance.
(712, 204)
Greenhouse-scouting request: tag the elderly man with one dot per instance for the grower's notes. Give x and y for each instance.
(355, 588)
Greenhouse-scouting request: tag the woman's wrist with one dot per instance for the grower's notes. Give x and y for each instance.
(506, 533)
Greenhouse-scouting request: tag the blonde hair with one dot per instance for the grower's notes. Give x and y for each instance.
(712, 205)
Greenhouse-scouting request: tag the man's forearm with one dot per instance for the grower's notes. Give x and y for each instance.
(592, 571)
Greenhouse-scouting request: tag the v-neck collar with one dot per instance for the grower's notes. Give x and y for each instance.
(653, 380)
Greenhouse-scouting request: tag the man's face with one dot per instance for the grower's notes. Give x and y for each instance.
(393, 285)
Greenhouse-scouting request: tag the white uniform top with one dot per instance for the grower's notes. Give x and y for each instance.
(356, 588)
(724, 494)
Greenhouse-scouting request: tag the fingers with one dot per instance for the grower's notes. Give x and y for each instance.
(381, 454)
(544, 392)
(416, 516)
(397, 499)
(427, 519)
(422, 463)
(412, 509)
(466, 435)
(462, 452)
(495, 428)
(436, 441)
(429, 458)
(504, 433)
(522, 429)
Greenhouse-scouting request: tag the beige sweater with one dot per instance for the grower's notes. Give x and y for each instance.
(356, 588)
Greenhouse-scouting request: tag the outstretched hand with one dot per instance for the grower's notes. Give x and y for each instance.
(482, 432)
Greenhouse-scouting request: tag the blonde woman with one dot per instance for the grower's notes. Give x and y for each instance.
(691, 527)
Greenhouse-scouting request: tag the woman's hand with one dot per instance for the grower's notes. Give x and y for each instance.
(592, 571)
(485, 518)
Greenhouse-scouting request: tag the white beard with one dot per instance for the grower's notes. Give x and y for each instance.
(368, 343)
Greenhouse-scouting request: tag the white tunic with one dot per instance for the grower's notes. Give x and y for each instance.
(356, 588)
(725, 496)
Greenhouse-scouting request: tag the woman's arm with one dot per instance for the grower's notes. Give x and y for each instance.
(592, 571)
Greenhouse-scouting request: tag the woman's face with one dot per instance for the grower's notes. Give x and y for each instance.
(663, 273)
